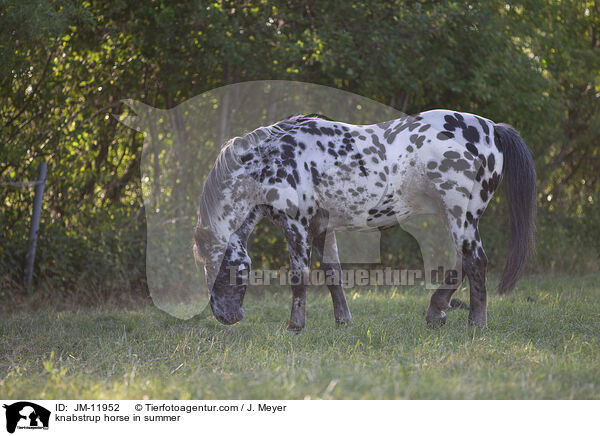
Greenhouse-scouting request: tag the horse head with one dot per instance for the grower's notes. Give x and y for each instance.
(226, 267)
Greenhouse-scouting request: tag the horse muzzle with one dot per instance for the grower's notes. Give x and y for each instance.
(227, 316)
(230, 317)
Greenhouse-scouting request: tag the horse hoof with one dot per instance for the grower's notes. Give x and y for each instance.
(343, 322)
(435, 320)
(294, 329)
(477, 324)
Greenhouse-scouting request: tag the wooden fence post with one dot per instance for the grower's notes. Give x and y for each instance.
(35, 224)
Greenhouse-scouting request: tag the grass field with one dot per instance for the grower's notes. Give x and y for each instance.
(543, 341)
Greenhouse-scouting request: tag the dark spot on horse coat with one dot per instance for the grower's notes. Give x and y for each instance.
(469, 174)
(380, 147)
(443, 136)
(486, 129)
(316, 179)
(484, 195)
(289, 139)
(491, 162)
(451, 155)
(457, 165)
(451, 122)
(246, 157)
(484, 125)
(468, 248)
(272, 195)
(464, 191)
(493, 183)
(480, 173)
(327, 131)
(384, 125)
(471, 134)
(456, 212)
(417, 139)
(483, 160)
(472, 149)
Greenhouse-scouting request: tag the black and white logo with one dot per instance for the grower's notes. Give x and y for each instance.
(26, 415)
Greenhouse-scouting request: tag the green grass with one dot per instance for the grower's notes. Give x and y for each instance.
(543, 341)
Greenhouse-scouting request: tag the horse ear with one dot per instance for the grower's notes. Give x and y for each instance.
(200, 233)
(142, 115)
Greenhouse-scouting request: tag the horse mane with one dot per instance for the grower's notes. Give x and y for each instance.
(229, 160)
(308, 117)
(226, 163)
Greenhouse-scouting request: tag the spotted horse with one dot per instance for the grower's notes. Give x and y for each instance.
(312, 176)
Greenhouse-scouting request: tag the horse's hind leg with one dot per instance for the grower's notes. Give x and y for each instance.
(326, 247)
(472, 262)
(475, 264)
(440, 300)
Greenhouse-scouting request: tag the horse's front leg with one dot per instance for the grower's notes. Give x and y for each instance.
(326, 247)
(299, 247)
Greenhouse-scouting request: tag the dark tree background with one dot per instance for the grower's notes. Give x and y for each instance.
(65, 66)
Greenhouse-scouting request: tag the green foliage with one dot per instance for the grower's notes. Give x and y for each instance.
(66, 65)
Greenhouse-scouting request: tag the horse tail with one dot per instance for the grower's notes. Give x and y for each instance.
(519, 172)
